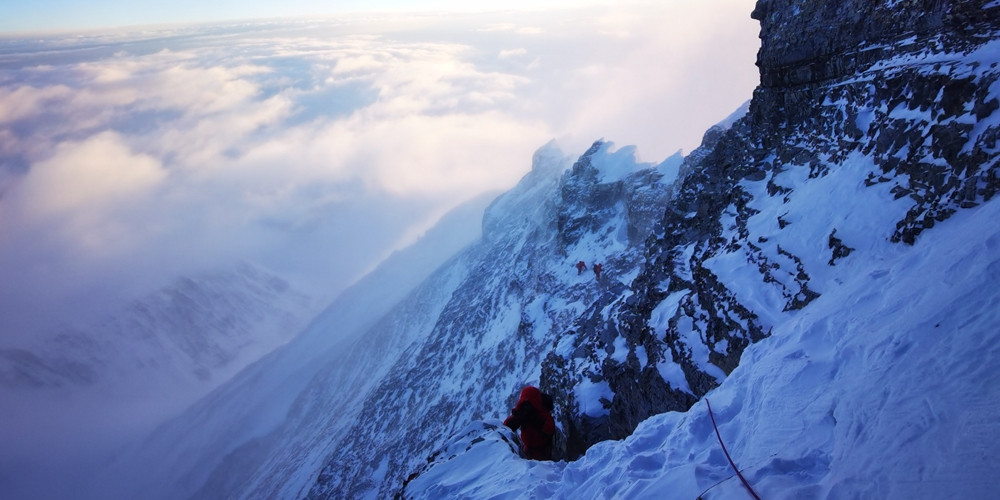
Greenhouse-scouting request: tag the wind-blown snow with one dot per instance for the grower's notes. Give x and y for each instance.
(615, 166)
(670, 167)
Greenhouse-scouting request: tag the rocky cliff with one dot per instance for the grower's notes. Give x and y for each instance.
(873, 122)
(805, 42)
(894, 96)
(521, 290)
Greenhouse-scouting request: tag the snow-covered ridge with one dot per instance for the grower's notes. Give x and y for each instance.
(841, 361)
(522, 290)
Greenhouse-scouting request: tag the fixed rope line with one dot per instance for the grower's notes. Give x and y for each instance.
(724, 450)
(754, 466)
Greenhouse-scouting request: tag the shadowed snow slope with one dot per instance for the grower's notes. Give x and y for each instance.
(262, 434)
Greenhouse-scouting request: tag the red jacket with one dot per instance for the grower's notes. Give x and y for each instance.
(535, 422)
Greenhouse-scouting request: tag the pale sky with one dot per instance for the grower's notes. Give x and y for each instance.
(313, 146)
(45, 15)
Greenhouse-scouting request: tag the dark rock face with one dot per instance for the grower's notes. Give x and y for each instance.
(840, 250)
(809, 41)
(838, 80)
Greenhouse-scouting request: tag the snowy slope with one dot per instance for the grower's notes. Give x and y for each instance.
(278, 416)
(782, 285)
(884, 387)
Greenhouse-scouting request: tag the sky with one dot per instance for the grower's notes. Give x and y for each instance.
(312, 138)
(52, 15)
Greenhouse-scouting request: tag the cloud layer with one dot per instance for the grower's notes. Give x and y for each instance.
(317, 147)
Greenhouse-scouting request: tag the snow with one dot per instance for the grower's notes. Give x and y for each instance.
(660, 317)
(673, 375)
(670, 167)
(564, 347)
(735, 116)
(620, 352)
(616, 165)
(864, 119)
(862, 216)
(882, 388)
(377, 476)
(588, 395)
(640, 353)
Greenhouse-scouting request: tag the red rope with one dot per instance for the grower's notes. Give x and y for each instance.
(745, 483)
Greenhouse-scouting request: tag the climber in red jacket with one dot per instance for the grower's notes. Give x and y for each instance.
(597, 270)
(535, 422)
(580, 267)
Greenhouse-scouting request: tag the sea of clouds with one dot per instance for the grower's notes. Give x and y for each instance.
(316, 147)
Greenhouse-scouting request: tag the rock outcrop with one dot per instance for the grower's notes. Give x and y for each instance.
(892, 82)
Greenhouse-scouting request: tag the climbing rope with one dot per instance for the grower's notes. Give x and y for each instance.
(751, 467)
(724, 450)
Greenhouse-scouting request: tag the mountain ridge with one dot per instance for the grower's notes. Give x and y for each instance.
(252, 423)
(846, 157)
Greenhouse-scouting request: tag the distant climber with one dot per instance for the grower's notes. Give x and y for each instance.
(580, 267)
(597, 270)
(534, 419)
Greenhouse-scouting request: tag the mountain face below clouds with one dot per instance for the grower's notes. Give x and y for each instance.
(85, 389)
(189, 332)
(265, 433)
